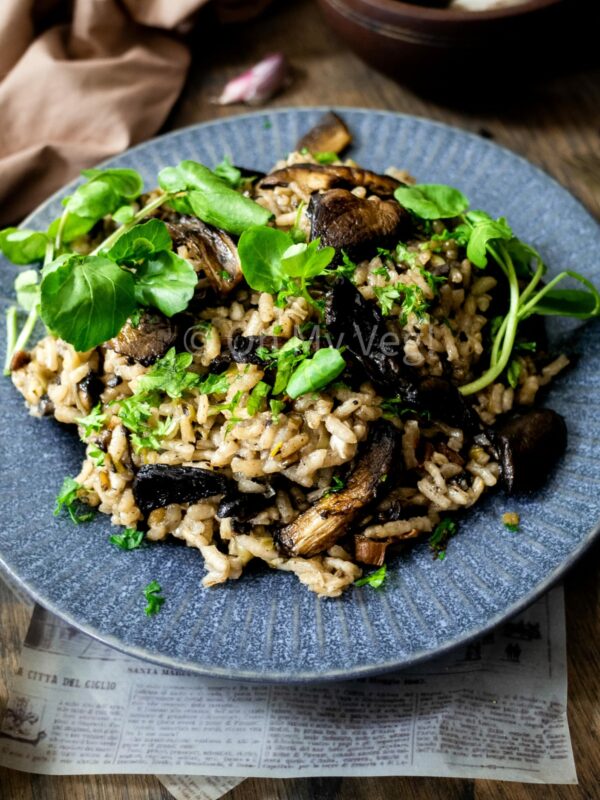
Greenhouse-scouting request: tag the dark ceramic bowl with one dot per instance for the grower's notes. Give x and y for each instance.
(419, 44)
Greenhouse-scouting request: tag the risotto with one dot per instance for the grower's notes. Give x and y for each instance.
(311, 368)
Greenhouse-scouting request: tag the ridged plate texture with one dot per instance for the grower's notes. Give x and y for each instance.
(267, 626)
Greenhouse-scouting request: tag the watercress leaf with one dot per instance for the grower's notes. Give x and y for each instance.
(73, 228)
(432, 201)
(483, 234)
(477, 215)
(27, 289)
(170, 179)
(93, 200)
(86, 300)
(513, 372)
(22, 246)
(124, 214)
(142, 240)
(127, 183)
(569, 303)
(260, 249)
(215, 202)
(227, 172)
(227, 209)
(524, 257)
(166, 281)
(316, 372)
(306, 261)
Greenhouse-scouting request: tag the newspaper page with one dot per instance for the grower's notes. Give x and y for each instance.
(495, 708)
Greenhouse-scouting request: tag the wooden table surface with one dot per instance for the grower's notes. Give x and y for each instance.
(555, 125)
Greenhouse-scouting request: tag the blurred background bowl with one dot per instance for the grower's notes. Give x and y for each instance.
(436, 46)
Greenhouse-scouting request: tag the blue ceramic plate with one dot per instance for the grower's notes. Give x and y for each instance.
(267, 626)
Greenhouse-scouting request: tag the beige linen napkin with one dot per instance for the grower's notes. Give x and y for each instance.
(83, 80)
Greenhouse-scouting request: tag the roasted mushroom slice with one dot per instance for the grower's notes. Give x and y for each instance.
(159, 485)
(321, 177)
(242, 506)
(147, 341)
(328, 519)
(89, 389)
(329, 135)
(211, 249)
(354, 225)
(358, 324)
(370, 551)
(243, 349)
(529, 445)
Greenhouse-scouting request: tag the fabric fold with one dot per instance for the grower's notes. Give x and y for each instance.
(81, 84)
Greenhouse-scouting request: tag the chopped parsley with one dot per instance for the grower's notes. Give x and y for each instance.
(433, 281)
(97, 455)
(130, 539)
(531, 346)
(257, 398)
(375, 579)
(151, 438)
(286, 359)
(337, 484)
(93, 422)
(347, 268)
(382, 272)
(276, 407)
(403, 254)
(170, 375)
(394, 407)
(326, 157)
(413, 300)
(443, 531)
(154, 599)
(68, 499)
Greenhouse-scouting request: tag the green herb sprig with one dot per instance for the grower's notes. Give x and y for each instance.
(68, 500)
(520, 263)
(438, 541)
(154, 598)
(374, 579)
(129, 539)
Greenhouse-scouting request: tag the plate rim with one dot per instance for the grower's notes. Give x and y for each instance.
(338, 674)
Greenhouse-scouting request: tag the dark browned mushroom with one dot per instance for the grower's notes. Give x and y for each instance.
(328, 519)
(321, 177)
(329, 135)
(159, 485)
(89, 389)
(147, 341)
(529, 445)
(242, 506)
(212, 249)
(354, 225)
(358, 324)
